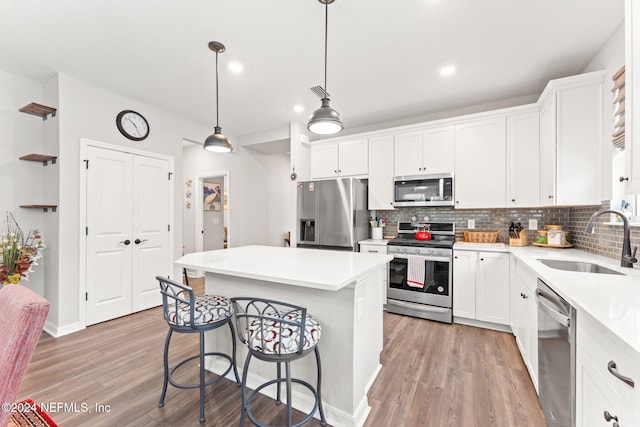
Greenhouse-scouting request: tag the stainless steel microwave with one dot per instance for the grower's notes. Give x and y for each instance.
(423, 190)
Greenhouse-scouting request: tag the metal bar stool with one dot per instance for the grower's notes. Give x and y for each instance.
(187, 313)
(278, 332)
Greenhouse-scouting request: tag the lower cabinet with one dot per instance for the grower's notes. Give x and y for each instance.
(524, 315)
(481, 286)
(379, 249)
(603, 398)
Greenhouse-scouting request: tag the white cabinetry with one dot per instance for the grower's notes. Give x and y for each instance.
(424, 151)
(597, 388)
(481, 286)
(524, 315)
(381, 172)
(571, 137)
(344, 158)
(480, 164)
(523, 159)
(632, 89)
(378, 248)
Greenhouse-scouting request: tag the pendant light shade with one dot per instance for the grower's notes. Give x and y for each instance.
(217, 142)
(325, 120)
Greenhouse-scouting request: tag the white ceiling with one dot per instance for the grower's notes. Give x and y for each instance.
(384, 56)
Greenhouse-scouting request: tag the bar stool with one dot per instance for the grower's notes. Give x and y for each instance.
(272, 332)
(187, 313)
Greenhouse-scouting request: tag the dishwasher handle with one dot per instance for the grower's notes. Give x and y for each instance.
(541, 296)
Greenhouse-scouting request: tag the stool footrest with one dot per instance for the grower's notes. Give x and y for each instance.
(197, 356)
(282, 380)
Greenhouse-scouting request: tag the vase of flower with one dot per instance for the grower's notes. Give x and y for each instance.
(18, 252)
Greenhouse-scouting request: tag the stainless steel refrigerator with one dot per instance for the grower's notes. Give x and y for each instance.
(332, 214)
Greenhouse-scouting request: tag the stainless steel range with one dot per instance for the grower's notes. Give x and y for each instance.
(420, 274)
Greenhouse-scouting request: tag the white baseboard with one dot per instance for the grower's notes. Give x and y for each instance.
(58, 331)
(481, 324)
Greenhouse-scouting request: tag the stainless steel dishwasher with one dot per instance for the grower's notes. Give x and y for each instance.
(556, 357)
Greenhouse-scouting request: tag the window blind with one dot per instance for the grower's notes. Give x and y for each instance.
(618, 107)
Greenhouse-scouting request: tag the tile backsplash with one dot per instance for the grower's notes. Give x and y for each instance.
(606, 241)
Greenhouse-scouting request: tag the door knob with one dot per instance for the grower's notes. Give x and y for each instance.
(138, 241)
(126, 242)
(624, 178)
(609, 417)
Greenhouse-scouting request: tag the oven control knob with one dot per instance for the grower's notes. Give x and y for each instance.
(403, 250)
(417, 251)
(441, 289)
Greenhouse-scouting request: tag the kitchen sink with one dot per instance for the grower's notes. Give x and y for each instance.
(580, 266)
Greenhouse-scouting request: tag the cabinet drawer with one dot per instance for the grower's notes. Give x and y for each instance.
(601, 347)
(373, 249)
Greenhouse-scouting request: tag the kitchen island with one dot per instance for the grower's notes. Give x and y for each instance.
(342, 289)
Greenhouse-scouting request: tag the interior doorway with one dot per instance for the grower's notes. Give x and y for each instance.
(213, 228)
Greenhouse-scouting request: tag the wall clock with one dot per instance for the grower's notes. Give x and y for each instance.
(132, 125)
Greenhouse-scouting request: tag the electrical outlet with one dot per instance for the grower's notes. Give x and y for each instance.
(533, 224)
(471, 223)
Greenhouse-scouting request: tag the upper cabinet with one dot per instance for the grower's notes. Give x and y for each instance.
(424, 151)
(480, 164)
(381, 172)
(632, 83)
(523, 159)
(344, 158)
(571, 137)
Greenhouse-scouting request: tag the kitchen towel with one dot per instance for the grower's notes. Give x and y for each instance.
(415, 275)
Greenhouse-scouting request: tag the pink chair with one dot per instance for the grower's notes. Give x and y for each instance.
(22, 316)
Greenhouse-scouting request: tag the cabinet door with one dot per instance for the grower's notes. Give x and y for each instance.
(381, 172)
(324, 160)
(492, 288)
(548, 151)
(579, 131)
(480, 164)
(408, 153)
(353, 157)
(464, 284)
(523, 165)
(594, 395)
(530, 329)
(632, 88)
(437, 150)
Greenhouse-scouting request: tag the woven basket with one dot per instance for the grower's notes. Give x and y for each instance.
(480, 236)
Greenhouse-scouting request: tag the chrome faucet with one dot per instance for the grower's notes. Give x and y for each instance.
(627, 258)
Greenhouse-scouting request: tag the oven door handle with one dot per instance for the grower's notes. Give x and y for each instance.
(420, 307)
(426, 258)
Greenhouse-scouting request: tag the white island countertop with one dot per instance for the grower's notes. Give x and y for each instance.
(310, 268)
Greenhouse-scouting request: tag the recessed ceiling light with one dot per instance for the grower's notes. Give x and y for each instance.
(447, 71)
(235, 67)
(298, 108)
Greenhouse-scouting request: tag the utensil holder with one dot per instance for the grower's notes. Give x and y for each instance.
(521, 241)
(376, 233)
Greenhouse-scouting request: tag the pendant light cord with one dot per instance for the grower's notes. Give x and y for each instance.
(217, 109)
(326, 30)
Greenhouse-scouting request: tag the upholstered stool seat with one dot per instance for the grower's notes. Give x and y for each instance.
(186, 313)
(278, 332)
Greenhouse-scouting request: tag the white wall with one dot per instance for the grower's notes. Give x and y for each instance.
(87, 111)
(247, 197)
(21, 182)
(610, 57)
(281, 201)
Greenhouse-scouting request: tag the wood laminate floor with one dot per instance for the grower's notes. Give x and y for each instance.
(433, 375)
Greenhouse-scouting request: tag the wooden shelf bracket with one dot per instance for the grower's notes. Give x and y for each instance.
(43, 158)
(38, 110)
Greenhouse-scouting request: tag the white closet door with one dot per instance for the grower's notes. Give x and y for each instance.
(150, 237)
(109, 223)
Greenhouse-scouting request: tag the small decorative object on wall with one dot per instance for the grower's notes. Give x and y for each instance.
(188, 194)
(212, 193)
(18, 251)
(132, 125)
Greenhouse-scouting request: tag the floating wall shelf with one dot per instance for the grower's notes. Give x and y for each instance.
(45, 208)
(38, 110)
(43, 158)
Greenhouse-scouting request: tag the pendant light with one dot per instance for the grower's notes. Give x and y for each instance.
(217, 142)
(325, 120)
